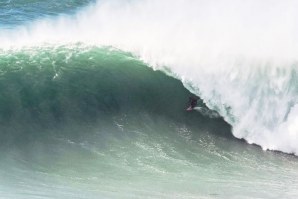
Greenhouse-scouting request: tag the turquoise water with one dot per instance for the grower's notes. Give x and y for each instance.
(88, 121)
(18, 12)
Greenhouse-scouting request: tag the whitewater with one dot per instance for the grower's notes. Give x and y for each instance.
(239, 57)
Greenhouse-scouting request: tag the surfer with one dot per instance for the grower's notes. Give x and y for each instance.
(193, 101)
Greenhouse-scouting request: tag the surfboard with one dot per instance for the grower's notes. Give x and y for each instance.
(189, 109)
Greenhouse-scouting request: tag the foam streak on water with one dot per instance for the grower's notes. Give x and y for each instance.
(240, 57)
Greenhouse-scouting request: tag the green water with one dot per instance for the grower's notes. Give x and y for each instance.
(87, 122)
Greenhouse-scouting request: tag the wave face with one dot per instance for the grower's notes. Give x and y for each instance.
(90, 122)
(49, 86)
(240, 58)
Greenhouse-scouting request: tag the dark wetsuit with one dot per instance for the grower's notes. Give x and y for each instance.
(193, 102)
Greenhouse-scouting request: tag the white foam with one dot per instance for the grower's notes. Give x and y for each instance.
(239, 56)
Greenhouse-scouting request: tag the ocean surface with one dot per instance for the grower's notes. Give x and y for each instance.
(93, 98)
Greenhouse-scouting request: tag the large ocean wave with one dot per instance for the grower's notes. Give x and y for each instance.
(240, 58)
